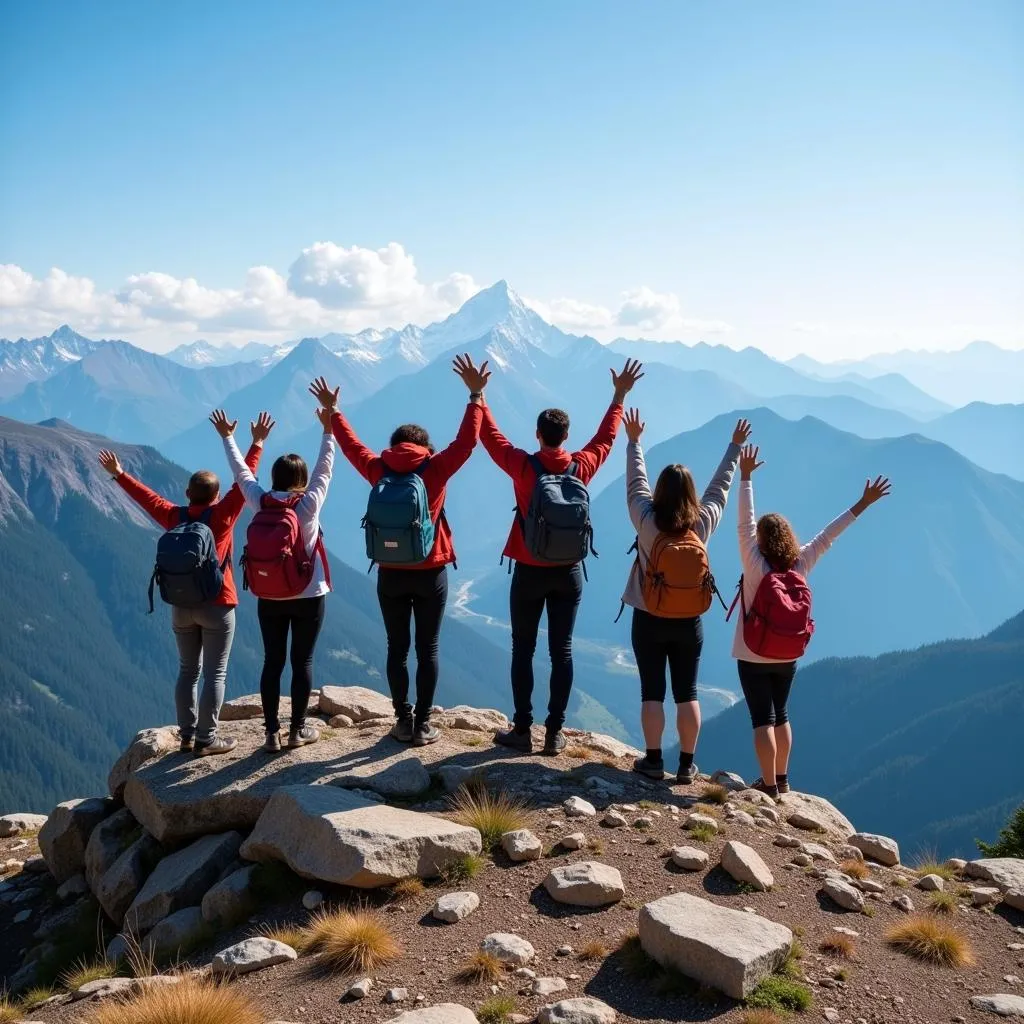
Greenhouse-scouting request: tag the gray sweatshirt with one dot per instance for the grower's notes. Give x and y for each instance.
(641, 511)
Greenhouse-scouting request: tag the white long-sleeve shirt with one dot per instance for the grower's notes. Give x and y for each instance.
(641, 511)
(755, 567)
(307, 509)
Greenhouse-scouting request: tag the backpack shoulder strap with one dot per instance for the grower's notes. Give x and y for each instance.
(574, 469)
(183, 516)
(206, 515)
(537, 466)
(321, 551)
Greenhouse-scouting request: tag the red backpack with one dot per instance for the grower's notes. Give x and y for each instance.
(275, 563)
(778, 625)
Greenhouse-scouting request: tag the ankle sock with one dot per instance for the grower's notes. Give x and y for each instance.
(781, 779)
(654, 755)
(685, 761)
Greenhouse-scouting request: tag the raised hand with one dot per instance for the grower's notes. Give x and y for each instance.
(748, 461)
(323, 414)
(634, 428)
(261, 428)
(873, 491)
(221, 424)
(623, 382)
(474, 379)
(742, 432)
(110, 462)
(324, 395)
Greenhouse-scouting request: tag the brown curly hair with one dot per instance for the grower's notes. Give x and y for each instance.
(777, 541)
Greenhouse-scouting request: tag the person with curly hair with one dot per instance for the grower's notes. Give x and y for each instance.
(769, 545)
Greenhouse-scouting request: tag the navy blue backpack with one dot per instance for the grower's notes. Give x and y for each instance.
(557, 526)
(187, 569)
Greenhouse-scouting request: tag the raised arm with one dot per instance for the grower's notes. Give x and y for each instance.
(746, 521)
(320, 479)
(505, 454)
(251, 490)
(812, 551)
(592, 455)
(163, 512)
(638, 490)
(231, 505)
(716, 495)
(450, 460)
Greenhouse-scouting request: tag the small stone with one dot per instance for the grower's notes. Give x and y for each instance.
(359, 989)
(847, 931)
(563, 951)
(22, 915)
(849, 852)
(745, 865)
(312, 899)
(818, 852)
(983, 895)
(396, 995)
(103, 988)
(16, 823)
(931, 883)
(577, 1011)
(880, 848)
(250, 955)
(843, 894)
(803, 860)
(521, 845)
(868, 885)
(1001, 1004)
(340, 722)
(585, 884)
(904, 903)
(508, 948)
(689, 858)
(547, 986)
(644, 822)
(574, 841)
(697, 820)
(577, 807)
(730, 780)
(614, 819)
(830, 1013)
(455, 906)
(790, 842)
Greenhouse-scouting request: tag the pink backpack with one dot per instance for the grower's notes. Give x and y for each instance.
(275, 563)
(778, 624)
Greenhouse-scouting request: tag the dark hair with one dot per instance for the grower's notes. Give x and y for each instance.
(289, 473)
(203, 487)
(412, 433)
(676, 507)
(553, 427)
(777, 542)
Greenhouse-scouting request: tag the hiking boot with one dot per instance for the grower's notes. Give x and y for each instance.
(218, 745)
(515, 739)
(554, 743)
(186, 746)
(687, 776)
(303, 737)
(782, 781)
(403, 729)
(762, 787)
(652, 769)
(272, 744)
(425, 734)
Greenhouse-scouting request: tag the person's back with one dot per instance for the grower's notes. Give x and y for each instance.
(540, 584)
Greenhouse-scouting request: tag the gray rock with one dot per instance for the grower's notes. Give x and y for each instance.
(904, 903)
(574, 841)
(340, 722)
(442, 1013)
(1005, 872)
(614, 819)
(103, 988)
(931, 883)
(75, 886)
(689, 858)
(325, 833)
(407, 777)
(65, 835)
(250, 955)
(121, 882)
(239, 709)
(359, 989)
(545, 987)
(231, 900)
(848, 852)
(585, 1010)
(730, 780)
(869, 885)
(118, 948)
(147, 745)
(585, 883)
(738, 817)
(109, 839)
(1000, 1004)
(697, 820)
(807, 822)
(396, 995)
(817, 852)
(453, 776)
(745, 865)
(983, 895)
(843, 894)
(508, 948)
(727, 949)
(176, 935)
(606, 745)
(16, 823)
(879, 848)
(836, 824)
(521, 845)
(957, 864)
(34, 865)
(359, 703)
(577, 807)
(473, 719)
(181, 879)
(455, 906)
(312, 899)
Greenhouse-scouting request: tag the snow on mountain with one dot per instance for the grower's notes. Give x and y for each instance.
(31, 359)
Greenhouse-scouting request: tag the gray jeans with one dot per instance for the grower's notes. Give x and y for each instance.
(204, 637)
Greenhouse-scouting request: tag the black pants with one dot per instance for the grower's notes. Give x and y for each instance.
(303, 616)
(406, 594)
(672, 644)
(559, 589)
(766, 689)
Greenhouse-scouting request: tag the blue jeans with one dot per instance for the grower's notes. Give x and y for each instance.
(204, 636)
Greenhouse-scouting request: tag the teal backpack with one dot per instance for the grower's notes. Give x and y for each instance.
(398, 527)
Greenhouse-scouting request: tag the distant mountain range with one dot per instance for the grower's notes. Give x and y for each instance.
(924, 744)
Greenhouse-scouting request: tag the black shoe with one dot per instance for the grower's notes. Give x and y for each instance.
(554, 743)
(686, 777)
(515, 739)
(425, 734)
(762, 787)
(402, 730)
(652, 769)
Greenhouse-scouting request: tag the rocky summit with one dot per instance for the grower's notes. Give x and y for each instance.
(360, 879)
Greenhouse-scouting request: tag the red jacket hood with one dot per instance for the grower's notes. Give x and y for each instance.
(554, 460)
(405, 457)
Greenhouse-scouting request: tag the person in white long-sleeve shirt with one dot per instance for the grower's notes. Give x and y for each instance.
(662, 644)
(769, 545)
(303, 615)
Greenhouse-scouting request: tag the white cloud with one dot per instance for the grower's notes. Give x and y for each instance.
(341, 278)
(647, 309)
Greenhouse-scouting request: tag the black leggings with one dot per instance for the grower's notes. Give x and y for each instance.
(660, 643)
(304, 616)
(766, 689)
(405, 594)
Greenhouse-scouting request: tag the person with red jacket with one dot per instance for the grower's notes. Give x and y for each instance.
(204, 635)
(537, 585)
(415, 592)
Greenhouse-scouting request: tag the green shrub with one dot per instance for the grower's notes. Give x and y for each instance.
(1011, 839)
(779, 995)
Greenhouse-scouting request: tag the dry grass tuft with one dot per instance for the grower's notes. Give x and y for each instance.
(480, 966)
(9, 1012)
(410, 888)
(491, 814)
(760, 1017)
(350, 941)
(711, 810)
(293, 935)
(715, 794)
(191, 1001)
(596, 845)
(496, 1010)
(83, 971)
(941, 902)
(838, 945)
(855, 869)
(35, 997)
(925, 937)
(472, 741)
(927, 863)
(593, 951)
(579, 752)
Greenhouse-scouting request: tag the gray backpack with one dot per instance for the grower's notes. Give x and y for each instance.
(557, 526)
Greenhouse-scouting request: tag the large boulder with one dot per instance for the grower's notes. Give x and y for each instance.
(109, 839)
(251, 955)
(176, 935)
(231, 900)
(182, 879)
(17, 823)
(148, 743)
(585, 883)
(65, 835)
(825, 815)
(584, 1010)
(120, 883)
(442, 1013)
(878, 848)
(326, 833)
(728, 949)
(1005, 872)
(359, 703)
(745, 865)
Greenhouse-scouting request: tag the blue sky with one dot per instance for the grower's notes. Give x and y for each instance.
(820, 176)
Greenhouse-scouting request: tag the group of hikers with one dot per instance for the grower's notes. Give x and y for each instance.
(670, 585)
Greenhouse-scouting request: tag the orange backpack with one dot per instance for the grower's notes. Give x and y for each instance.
(677, 581)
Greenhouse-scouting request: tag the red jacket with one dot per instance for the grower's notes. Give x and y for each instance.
(516, 462)
(222, 520)
(403, 458)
